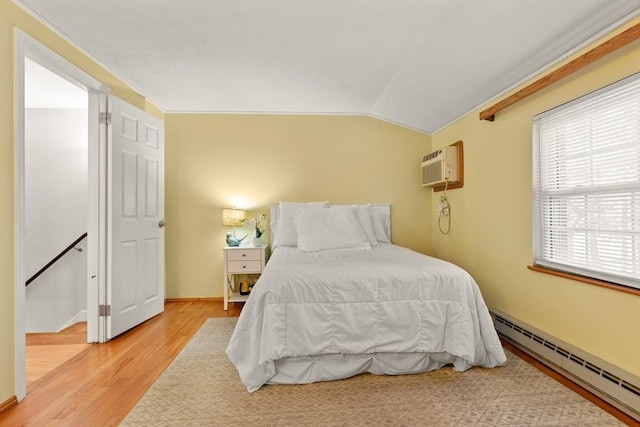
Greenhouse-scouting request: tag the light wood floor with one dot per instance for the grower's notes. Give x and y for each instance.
(45, 352)
(100, 385)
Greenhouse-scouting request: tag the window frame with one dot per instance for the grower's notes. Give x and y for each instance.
(547, 264)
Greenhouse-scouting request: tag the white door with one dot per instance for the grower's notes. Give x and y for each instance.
(135, 272)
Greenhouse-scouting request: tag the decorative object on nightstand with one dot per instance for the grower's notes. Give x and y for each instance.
(244, 287)
(234, 241)
(258, 224)
(233, 218)
(241, 261)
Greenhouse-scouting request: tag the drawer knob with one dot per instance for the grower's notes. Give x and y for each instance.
(244, 254)
(244, 266)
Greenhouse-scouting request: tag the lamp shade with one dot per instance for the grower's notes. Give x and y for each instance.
(232, 217)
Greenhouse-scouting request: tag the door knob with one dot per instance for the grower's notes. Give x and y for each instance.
(162, 223)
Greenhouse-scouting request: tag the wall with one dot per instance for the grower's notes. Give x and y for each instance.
(491, 233)
(253, 161)
(56, 175)
(12, 16)
(58, 298)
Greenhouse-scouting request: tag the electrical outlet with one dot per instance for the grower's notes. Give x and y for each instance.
(443, 207)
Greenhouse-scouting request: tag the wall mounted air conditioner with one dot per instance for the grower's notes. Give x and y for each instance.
(440, 166)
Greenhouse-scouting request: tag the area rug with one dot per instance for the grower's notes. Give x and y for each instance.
(202, 388)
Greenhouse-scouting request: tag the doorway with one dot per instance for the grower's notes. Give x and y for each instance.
(28, 52)
(56, 218)
(56, 196)
(125, 206)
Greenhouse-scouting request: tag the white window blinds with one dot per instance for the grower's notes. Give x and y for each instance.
(586, 185)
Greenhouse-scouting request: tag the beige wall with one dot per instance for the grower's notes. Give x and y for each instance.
(491, 225)
(215, 161)
(12, 16)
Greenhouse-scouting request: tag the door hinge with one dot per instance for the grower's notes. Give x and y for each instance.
(105, 118)
(105, 310)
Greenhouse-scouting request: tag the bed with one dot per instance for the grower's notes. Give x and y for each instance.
(320, 312)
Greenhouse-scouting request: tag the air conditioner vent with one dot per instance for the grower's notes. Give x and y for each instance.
(616, 386)
(439, 167)
(432, 155)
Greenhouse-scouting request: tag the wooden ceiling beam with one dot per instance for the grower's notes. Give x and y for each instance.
(603, 49)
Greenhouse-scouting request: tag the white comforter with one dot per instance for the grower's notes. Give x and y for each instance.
(361, 302)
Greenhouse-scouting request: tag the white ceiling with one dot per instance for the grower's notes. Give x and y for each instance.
(418, 63)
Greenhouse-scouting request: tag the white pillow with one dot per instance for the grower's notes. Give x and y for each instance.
(323, 229)
(284, 234)
(380, 222)
(364, 216)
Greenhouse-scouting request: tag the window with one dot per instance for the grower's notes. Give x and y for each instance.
(586, 185)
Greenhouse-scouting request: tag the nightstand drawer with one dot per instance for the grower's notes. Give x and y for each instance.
(244, 254)
(244, 266)
(241, 261)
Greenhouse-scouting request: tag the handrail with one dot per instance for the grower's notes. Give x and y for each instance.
(56, 258)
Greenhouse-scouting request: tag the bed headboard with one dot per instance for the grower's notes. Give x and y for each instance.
(382, 208)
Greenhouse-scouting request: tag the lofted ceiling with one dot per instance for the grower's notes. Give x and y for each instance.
(418, 63)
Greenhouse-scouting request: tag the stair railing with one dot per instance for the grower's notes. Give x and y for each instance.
(57, 257)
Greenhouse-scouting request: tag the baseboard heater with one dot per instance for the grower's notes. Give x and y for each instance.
(612, 384)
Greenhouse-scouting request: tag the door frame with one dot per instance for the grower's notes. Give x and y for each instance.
(28, 47)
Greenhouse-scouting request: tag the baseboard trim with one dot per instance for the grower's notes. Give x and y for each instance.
(525, 355)
(8, 404)
(81, 316)
(193, 299)
(615, 386)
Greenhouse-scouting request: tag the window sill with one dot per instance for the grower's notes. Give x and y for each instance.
(587, 280)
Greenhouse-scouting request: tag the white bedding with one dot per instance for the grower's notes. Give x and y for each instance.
(316, 316)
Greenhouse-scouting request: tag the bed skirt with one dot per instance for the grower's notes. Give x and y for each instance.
(330, 367)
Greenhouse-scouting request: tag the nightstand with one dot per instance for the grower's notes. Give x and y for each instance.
(241, 260)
